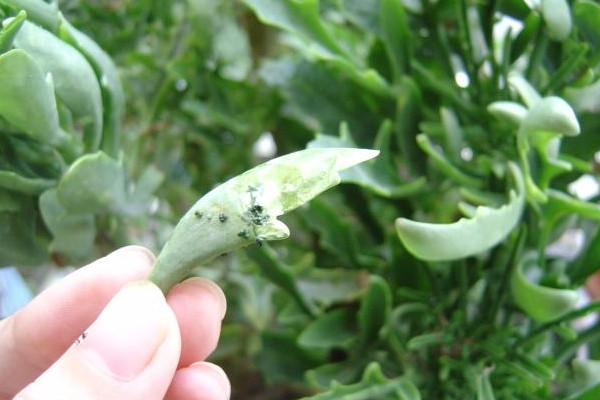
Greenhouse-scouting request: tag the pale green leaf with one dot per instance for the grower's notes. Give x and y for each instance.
(467, 237)
(26, 99)
(110, 84)
(557, 17)
(74, 79)
(94, 183)
(73, 234)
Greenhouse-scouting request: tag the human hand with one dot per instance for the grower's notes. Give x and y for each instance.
(136, 344)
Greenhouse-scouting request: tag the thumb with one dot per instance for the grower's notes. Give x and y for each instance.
(130, 352)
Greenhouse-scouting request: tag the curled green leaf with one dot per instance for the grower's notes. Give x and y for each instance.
(540, 302)
(467, 237)
(245, 208)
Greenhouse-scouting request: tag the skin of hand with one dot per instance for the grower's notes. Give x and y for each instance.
(137, 343)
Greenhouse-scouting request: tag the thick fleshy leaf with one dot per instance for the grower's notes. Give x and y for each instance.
(540, 302)
(508, 110)
(557, 17)
(245, 208)
(74, 80)
(526, 91)
(26, 98)
(95, 183)
(467, 237)
(73, 234)
(336, 328)
(110, 84)
(13, 181)
(551, 114)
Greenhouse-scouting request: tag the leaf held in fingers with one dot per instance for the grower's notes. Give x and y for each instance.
(540, 302)
(467, 237)
(245, 208)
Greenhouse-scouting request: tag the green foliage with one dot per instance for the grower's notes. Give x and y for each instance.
(432, 271)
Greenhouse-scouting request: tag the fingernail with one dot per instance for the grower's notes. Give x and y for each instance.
(128, 332)
(136, 253)
(216, 373)
(215, 291)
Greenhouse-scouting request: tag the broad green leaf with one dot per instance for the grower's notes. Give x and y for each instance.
(375, 308)
(335, 328)
(95, 183)
(73, 234)
(245, 208)
(299, 17)
(74, 79)
(26, 99)
(10, 30)
(13, 181)
(379, 176)
(467, 237)
(110, 84)
(373, 385)
(540, 302)
(586, 14)
(557, 17)
(326, 287)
